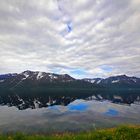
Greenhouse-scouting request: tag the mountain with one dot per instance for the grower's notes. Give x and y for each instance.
(35, 77)
(32, 89)
(6, 76)
(40, 77)
(119, 80)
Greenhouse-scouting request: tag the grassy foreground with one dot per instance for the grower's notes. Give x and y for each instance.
(119, 133)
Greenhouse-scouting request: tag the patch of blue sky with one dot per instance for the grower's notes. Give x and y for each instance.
(78, 107)
(111, 112)
(76, 73)
(79, 72)
(69, 29)
(106, 68)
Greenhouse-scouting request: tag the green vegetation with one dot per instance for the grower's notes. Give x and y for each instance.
(119, 133)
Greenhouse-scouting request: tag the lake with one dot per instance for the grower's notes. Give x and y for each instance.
(79, 115)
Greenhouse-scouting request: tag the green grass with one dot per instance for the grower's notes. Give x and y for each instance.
(119, 133)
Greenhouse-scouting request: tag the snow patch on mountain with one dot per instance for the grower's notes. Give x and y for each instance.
(40, 75)
(52, 76)
(23, 79)
(115, 81)
(26, 75)
(92, 81)
(98, 81)
(134, 80)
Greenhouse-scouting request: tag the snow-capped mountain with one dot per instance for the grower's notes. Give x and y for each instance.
(45, 76)
(120, 79)
(37, 78)
(50, 77)
(33, 78)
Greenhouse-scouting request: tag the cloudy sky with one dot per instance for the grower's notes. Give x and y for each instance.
(84, 38)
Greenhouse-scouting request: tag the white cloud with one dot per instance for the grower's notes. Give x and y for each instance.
(34, 35)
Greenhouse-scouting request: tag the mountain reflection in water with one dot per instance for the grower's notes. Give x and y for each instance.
(71, 117)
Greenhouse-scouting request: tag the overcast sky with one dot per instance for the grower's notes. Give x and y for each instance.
(83, 38)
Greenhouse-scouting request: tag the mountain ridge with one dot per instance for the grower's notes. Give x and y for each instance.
(40, 73)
